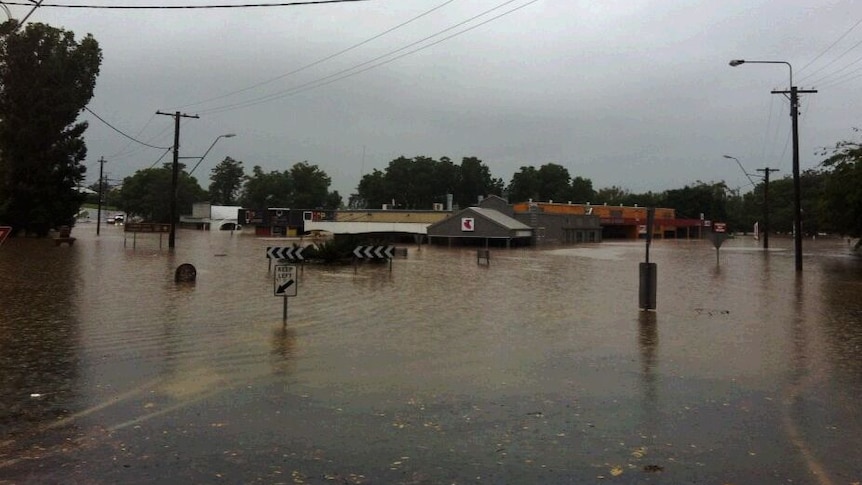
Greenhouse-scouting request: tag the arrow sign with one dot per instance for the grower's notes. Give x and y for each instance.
(282, 289)
(374, 252)
(284, 280)
(291, 253)
(4, 232)
(358, 252)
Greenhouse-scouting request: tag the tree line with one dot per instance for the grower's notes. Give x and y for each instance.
(47, 79)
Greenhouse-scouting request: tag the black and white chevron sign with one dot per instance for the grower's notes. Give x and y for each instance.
(292, 253)
(374, 252)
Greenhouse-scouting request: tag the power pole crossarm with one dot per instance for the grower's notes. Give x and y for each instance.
(797, 185)
(175, 173)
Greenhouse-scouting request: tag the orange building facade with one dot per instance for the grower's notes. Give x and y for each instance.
(620, 222)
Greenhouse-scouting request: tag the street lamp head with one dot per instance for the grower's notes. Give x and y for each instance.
(229, 135)
(737, 62)
(728, 156)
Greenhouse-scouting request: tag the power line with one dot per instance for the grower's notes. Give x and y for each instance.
(320, 61)
(188, 7)
(121, 132)
(337, 76)
(833, 61)
(818, 56)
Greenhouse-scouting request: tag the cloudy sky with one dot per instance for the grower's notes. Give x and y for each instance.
(632, 93)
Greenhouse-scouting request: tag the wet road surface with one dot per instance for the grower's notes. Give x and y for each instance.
(538, 368)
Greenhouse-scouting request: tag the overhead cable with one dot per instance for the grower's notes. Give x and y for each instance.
(345, 73)
(121, 132)
(189, 7)
(320, 61)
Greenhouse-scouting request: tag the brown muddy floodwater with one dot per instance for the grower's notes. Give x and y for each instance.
(538, 368)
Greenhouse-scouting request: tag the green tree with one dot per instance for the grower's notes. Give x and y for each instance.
(842, 188)
(525, 185)
(262, 190)
(554, 183)
(146, 194)
(310, 186)
(582, 190)
(227, 178)
(612, 195)
(304, 186)
(701, 198)
(371, 192)
(46, 79)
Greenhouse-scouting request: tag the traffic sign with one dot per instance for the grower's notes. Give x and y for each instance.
(374, 252)
(4, 233)
(719, 227)
(284, 282)
(291, 253)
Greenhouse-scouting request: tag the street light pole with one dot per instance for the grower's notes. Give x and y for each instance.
(794, 114)
(201, 159)
(742, 168)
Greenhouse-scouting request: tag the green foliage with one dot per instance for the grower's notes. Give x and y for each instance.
(146, 194)
(46, 79)
(612, 196)
(525, 185)
(550, 182)
(304, 186)
(841, 200)
(227, 178)
(420, 182)
(702, 198)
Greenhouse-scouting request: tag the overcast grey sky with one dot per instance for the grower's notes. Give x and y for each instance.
(632, 93)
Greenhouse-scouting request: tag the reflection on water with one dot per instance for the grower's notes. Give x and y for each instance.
(543, 353)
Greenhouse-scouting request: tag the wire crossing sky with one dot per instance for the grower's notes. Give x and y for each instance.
(635, 94)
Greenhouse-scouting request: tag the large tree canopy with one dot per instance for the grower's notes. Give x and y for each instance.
(227, 178)
(146, 194)
(419, 183)
(46, 79)
(304, 186)
(842, 191)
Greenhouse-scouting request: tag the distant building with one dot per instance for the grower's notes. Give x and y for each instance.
(206, 216)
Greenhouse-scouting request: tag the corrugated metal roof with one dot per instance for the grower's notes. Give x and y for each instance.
(500, 218)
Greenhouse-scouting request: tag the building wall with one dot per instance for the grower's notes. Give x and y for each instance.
(603, 211)
(483, 228)
(427, 217)
(618, 222)
(563, 228)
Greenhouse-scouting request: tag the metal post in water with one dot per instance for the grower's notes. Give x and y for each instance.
(648, 271)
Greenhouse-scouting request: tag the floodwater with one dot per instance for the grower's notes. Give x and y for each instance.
(537, 368)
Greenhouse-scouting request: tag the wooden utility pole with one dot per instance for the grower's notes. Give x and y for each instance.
(175, 174)
(101, 193)
(766, 172)
(797, 185)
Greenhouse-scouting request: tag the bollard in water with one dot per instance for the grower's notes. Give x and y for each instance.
(185, 273)
(648, 283)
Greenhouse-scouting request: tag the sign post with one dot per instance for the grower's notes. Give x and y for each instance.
(718, 235)
(284, 284)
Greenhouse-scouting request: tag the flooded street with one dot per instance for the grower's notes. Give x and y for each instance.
(538, 368)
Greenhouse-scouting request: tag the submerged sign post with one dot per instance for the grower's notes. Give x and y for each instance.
(718, 235)
(284, 284)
